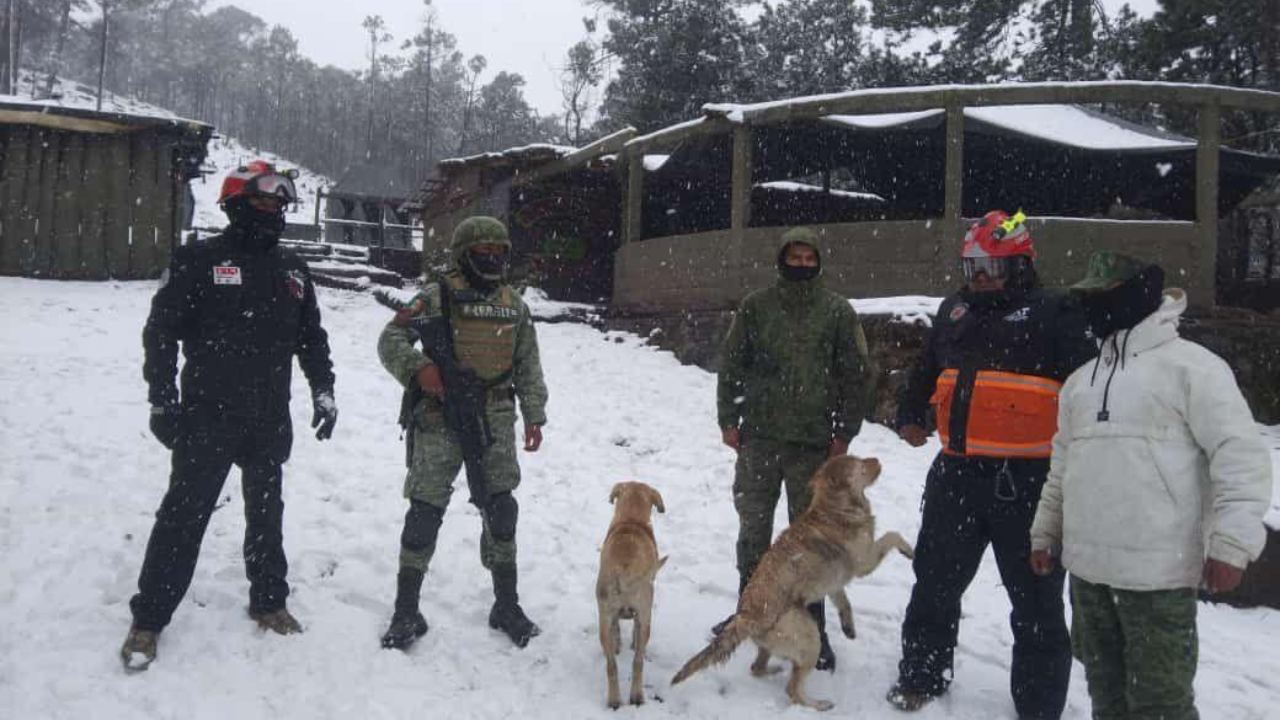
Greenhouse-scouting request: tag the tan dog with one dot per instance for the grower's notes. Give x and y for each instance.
(624, 590)
(826, 547)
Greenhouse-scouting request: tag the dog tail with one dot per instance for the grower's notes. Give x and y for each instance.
(658, 567)
(718, 652)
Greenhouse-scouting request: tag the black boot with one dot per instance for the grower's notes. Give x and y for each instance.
(506, 614)
(407, 623)
(826, 656)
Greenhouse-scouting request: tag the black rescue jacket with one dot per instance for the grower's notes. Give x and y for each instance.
(241, 313)
(1035, 332)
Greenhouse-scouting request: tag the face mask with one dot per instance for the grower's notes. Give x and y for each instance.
(799, 273)
(1125, 305)
(489, 267)
(263, 228)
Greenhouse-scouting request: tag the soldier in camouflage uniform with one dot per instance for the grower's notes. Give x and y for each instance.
(494, 337)
(795, 382)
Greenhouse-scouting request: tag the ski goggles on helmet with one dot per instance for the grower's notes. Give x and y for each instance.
(278, 185)
(996, 268)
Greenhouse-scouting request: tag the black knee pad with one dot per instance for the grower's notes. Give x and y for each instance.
(501, 513)
(421, 525)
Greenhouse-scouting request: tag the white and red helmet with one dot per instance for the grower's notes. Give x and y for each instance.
(992, 242)
(260, 178)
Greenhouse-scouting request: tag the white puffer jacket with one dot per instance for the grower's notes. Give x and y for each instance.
(1156, 454)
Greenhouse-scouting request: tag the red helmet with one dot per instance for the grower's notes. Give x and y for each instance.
(259, 178)
(998, 235)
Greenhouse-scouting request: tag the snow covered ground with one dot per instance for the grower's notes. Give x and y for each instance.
(80, 478)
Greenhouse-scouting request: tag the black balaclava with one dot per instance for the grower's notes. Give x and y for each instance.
(795, 273)
(476, 266)
(1125, 305)
(256, 229)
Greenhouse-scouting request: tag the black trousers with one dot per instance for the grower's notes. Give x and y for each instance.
(968, 504)
(202, 456)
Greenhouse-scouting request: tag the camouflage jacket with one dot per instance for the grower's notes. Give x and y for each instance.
(795, 366)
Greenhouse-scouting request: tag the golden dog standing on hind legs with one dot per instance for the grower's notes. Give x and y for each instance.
(624, 590)
(826, 547)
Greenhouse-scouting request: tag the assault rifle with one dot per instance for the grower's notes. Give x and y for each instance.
(465, 395)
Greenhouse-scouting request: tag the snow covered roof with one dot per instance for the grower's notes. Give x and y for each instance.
(926, 96)
(1062, 124)
(75, 100)
(524, 153)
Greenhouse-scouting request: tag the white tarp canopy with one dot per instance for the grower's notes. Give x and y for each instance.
(1069, 125)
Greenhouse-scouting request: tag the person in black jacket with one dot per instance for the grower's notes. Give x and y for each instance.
(991, 369)
(241, 307)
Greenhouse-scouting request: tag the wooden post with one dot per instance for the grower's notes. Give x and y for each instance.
(118, 224)
(953, 202)
(633, 227)
(1204, 274)
(742, 176)
(45, 253)
(953, 195)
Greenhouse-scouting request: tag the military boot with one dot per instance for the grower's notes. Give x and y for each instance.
(908, 700)
(407, 623)
(139, 649)
(506, 614)
(826, 656)
(280, 622)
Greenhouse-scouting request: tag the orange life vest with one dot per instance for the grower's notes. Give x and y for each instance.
(1010, 415)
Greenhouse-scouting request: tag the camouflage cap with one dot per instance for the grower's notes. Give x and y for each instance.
(1108, 269)
(478, 230)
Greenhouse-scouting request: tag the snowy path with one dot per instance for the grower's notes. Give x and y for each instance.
(80, 478)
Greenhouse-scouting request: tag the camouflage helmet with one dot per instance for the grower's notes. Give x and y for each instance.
(478, 230)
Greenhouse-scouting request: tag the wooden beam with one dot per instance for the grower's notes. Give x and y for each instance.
(890, 100)
(60, 122)
(671, 136)
(633, 224)
(953, 202)
(1207, 165)
(740, 195)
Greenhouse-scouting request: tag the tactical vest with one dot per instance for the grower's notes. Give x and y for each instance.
(484, 330)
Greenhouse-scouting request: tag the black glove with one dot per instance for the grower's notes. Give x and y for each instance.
(166, 423)
(324, 413)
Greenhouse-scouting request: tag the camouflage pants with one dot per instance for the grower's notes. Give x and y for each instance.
(763, 468)
(435, 466)
(1139, 650)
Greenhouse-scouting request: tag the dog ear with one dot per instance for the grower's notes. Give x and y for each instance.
(656, 498)
(615, 492)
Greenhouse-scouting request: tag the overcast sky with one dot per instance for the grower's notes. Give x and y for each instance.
(530, 37)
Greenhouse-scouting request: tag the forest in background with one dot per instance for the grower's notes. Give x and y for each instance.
(647, 63)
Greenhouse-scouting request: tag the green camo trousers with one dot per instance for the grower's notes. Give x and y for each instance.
(1139, 650)
(435, 466)
(763, 467)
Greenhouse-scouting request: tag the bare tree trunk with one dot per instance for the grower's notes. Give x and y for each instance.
(102, 57)
(55, 56)
(9, 80)
(430, 132)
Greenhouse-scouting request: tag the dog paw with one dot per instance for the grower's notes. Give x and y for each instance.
(637, 699)
(849, 631)
(614, 704)
(822, 705)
